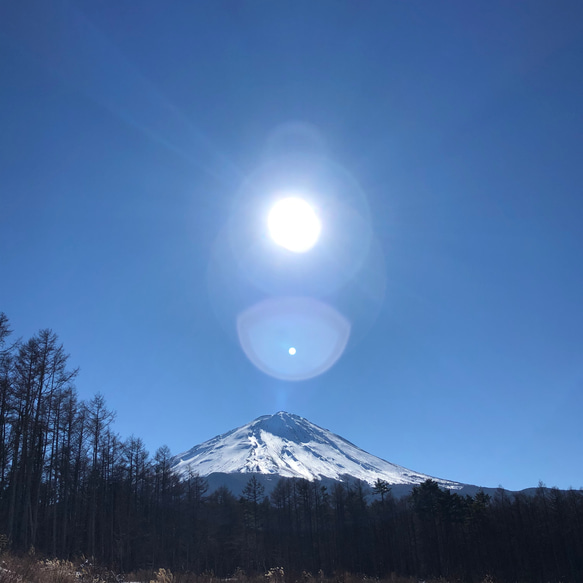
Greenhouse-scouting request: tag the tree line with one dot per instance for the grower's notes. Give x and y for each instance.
(70, 486)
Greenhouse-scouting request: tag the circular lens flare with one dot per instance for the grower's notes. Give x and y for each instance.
(270, 330)
(293, 224)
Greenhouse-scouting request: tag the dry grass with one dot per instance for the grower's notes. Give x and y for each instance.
(31, 569)
(277, 575)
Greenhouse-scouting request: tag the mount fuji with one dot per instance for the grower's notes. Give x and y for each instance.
(288, 446)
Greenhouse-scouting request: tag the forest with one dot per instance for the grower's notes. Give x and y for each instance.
(71, 487)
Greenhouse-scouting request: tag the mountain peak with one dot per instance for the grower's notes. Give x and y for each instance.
(288, 445)
(285, 425)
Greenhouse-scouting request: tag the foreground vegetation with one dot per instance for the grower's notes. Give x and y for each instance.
(71, 487)
(31, 569)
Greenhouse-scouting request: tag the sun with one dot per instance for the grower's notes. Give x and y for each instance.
(293, 224)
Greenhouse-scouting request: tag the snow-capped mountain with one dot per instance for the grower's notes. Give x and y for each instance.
(286, 445)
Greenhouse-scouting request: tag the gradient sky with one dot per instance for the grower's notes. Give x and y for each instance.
(128, 131)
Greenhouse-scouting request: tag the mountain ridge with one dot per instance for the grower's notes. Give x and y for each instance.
(288, 445)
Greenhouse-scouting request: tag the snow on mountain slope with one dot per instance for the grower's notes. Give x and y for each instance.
(290, 446)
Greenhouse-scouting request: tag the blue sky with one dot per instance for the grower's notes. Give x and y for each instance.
(131, 131)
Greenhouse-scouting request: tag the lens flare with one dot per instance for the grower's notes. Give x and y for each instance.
(313, 332)
(297, 200)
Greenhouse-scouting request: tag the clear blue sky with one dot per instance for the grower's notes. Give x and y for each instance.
(129, 129)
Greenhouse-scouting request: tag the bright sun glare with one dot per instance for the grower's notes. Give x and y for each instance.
(293, 224)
